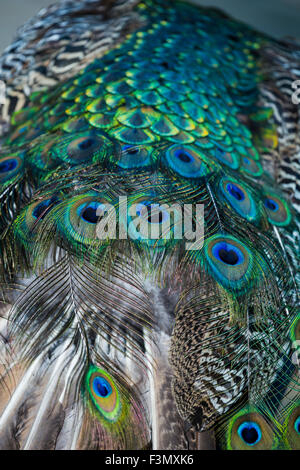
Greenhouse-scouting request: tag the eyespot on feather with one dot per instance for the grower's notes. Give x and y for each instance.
(83, 148)
(231, 262)
(292, 426)
(11, 166)
(152, 223)
(134, 156)
(277, 209)
(77, 219)
(249, 430)
(240, 198)
(104, 394)
(187, 161)
(251, 167)
(29, 221)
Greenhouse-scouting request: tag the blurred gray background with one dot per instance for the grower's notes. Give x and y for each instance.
(276, 17)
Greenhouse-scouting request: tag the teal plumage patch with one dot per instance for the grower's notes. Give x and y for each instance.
(145, 324)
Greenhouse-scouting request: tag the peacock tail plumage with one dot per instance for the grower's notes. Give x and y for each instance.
(112, 340)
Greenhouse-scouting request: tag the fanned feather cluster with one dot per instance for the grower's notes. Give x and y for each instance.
(112, 340)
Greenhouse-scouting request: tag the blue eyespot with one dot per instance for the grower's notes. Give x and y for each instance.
(91, 212)
(131, 149)
(230, 159)
(134, 156)
(151, 223)
(83, 148)
(101, 387)
(240, 198)
(271, 205)
(187, 161)
(41, 209)
(236, 192)
(86, 144)
(251, 167)
(228, 254)
(183, 156)
(8, 165)
(152, 213)
(250, 433)
(297, 425)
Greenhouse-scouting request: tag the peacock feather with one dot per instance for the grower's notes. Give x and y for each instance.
(112, 339)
